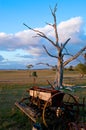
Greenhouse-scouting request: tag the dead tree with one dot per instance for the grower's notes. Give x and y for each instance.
(60, 47)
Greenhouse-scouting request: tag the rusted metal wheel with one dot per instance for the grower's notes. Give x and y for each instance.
(57, 117)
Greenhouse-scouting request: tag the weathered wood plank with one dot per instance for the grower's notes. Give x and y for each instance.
(42, 95)
(27, 110)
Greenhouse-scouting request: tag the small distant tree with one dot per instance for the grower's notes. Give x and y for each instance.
(60, 47)
(71, 68)
(29, 68)
(34, 75)
(81, 68)
(54, 68)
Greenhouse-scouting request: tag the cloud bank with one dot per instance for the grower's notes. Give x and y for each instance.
(31, 47)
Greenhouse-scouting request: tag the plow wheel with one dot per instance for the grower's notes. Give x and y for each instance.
(57, 117)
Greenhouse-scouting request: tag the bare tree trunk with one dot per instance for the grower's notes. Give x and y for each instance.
(59, 73)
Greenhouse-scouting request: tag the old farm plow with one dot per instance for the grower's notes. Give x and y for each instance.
(52, 109)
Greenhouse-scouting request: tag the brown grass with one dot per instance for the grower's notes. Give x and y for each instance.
(23, 77)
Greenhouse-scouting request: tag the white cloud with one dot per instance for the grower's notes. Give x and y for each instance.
(33, 46)
(72, 28)
(27, 37)
(24, 40)
(34, 51)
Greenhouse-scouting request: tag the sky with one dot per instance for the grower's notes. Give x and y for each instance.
(18, 45)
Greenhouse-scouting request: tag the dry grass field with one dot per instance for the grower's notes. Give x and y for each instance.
(13, 86)
(23, 77)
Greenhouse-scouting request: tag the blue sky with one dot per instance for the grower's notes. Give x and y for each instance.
(18, 48)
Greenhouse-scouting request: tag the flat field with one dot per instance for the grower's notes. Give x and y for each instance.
(13, 86)
(24, 77)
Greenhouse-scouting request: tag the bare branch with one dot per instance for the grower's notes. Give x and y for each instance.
(27, 26)
(63, 45)
(35, 30)
(49, 53)
(35, 36)
(41, 34)
(75, 56)
(45, 64)
(67, 53)
(54, 11)
(55, 24)
(49, 24)
(55, 8)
